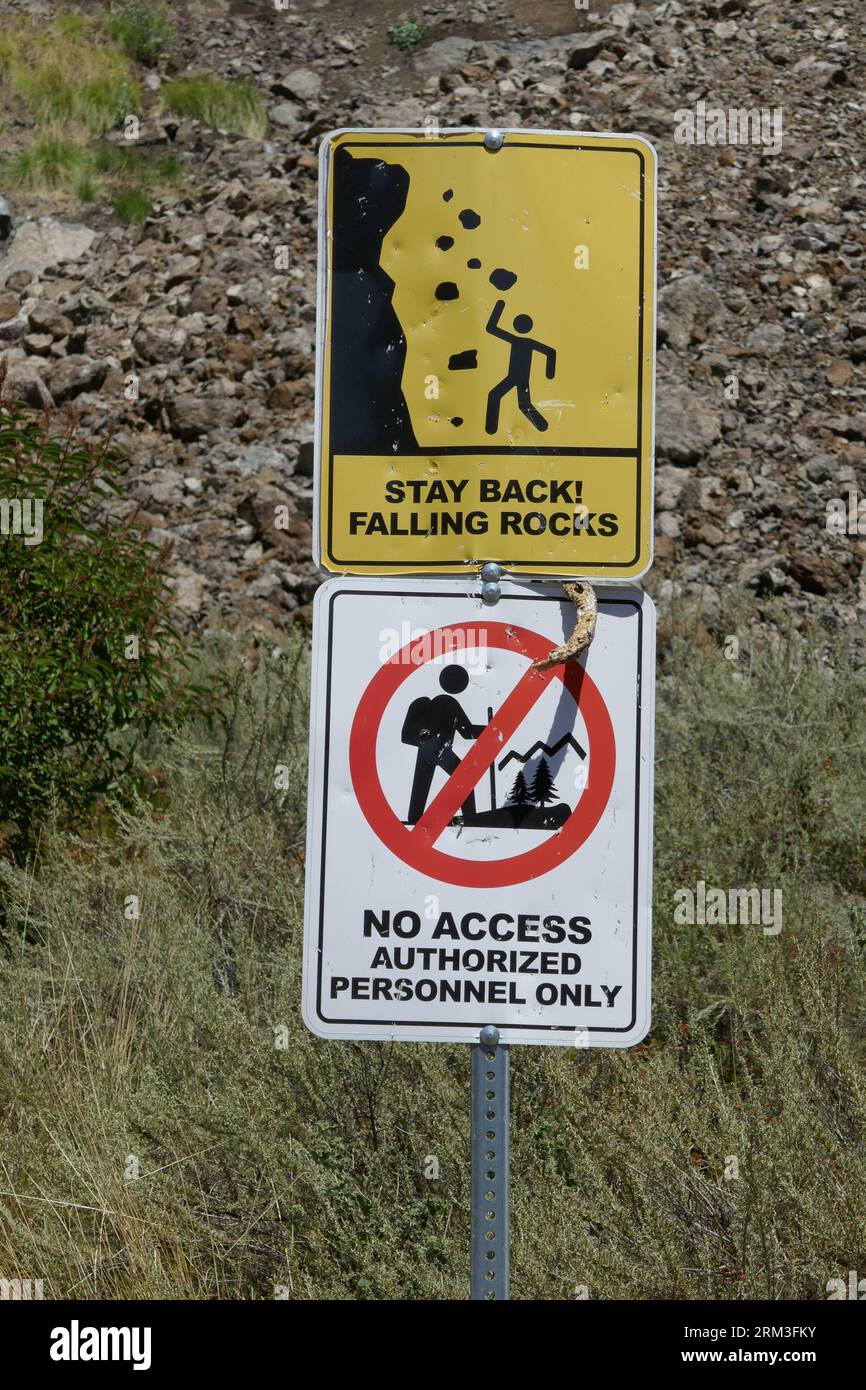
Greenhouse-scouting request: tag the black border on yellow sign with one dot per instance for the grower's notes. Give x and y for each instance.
(360, 566)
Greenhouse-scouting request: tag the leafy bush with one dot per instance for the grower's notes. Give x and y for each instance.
(78, 589)
(229, 106)
(406, 34)
(142, 29)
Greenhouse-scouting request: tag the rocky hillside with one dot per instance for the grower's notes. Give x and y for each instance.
(762, 308)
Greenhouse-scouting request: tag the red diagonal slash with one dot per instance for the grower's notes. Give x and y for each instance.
(466, 777)
(419, 851)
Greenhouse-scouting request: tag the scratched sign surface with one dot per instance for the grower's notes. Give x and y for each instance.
(486, 336)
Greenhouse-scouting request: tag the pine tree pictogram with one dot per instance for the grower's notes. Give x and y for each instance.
(519, 794)
(542, 790)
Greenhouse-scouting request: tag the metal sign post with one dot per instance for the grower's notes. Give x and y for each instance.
(489, 1168)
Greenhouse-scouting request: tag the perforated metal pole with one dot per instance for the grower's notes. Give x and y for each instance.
(489, 1168)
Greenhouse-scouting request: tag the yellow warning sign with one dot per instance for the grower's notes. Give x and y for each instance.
(486, 343)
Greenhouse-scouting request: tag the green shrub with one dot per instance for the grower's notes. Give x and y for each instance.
(406, 34)
(86, 190)
(143, 30)
(230, 106)
(114, 159)
(50, 163)
(77, 585)
(131, 205)
(121, 162)
(165, 168)
(119, 173)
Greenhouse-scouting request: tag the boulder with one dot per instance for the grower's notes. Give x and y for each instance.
(278, 523)
(40, 245)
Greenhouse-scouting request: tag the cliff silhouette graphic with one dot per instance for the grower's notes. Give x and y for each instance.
(368, 409)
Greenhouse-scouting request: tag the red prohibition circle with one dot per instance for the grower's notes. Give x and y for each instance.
(414, 848)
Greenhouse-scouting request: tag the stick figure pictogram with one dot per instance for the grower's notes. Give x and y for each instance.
(430, 726)
(520, 358)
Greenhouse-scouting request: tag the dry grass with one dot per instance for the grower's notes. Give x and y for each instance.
(68, 76)
(264, 1168)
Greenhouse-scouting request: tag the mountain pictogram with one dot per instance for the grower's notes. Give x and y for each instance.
(540, 747)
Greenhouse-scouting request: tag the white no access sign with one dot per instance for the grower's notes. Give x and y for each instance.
(479, 834)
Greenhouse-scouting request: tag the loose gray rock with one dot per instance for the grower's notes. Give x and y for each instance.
(767, 340)
(669, 484)
(76, 374)
(192, 416)
(37, 344)
(256, 458)
(45, 317)
(159, 343)
(24, 383)
(765, 573)
(14, 328)
(821, 468)
(302, 83)
(287, 113)
(444, 56)
(584, 47)
(685, 425)
(688, 308)
(189, 587)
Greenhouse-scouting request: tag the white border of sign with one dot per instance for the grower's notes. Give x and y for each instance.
(322, 311)
(322, 737)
